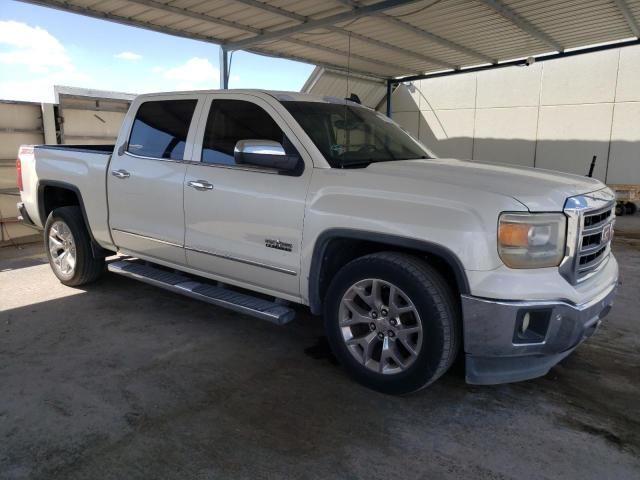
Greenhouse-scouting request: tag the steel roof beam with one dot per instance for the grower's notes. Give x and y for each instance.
(87, 12)
(522, 23)
(329, 65)
(437, 39)
(320, 22)
(628, 16)
(300, 18)
(254, 3)
(335, 51)
(67, 7)
(521, 62)
(342, 31)
(277, 10)
(388, 46)
(425, 34)
(197, 16)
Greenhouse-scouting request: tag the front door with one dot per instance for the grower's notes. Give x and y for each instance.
(244, 224)
(145, 181)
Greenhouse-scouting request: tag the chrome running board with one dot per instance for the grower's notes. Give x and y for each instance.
(222, 297)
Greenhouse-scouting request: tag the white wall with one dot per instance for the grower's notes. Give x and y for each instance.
(20, 122)
(555, 114)
(83, 117)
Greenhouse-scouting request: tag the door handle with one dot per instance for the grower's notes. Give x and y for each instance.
(122, 174)
(200, 185)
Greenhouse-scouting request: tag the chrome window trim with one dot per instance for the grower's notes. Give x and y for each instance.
(203, 164)
(144, 157)
(235, 167)
(575, 209)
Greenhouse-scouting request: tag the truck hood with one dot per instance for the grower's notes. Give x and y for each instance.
(537, 189)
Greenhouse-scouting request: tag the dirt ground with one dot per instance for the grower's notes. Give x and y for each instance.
(120, 380)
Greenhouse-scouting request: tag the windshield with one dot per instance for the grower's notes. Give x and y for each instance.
(352, 136)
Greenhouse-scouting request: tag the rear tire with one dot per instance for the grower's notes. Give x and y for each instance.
(403, 341)
(630, 208)
(68, 248)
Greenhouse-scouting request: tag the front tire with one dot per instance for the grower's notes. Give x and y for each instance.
(68, 248)
(392, 322)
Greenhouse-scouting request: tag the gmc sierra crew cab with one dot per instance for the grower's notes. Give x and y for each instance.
(256, 200)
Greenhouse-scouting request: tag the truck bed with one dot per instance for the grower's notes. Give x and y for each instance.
(80, 169)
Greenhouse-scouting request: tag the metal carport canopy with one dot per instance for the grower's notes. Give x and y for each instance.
(384, 39)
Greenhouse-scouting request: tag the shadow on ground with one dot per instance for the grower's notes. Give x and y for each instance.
(122, 380)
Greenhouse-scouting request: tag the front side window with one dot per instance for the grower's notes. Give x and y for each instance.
(230, 121)
(352, 136)
(161, 127)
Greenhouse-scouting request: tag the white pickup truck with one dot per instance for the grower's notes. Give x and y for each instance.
(255, 200)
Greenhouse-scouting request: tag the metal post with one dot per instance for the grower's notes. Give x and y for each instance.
(389, 98)
(224, 68)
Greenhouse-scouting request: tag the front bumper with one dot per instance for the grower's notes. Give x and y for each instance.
(494, 354)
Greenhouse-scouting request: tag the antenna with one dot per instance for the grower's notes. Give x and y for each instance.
(593, 165)
(348, 64)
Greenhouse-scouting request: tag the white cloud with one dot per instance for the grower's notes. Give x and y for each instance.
(196, 73)
(33, 47)
(128, 56)
(42, 55)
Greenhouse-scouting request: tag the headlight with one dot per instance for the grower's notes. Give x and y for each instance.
(532, 240)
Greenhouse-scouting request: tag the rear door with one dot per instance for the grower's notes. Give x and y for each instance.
(146, 177)
(245, 227)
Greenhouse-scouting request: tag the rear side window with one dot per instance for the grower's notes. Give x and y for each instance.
(161, 127)
(233, 120)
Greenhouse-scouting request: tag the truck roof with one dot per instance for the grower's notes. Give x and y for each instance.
(277, 94)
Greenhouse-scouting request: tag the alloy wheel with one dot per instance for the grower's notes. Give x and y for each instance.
(380, 326)
(62, 248)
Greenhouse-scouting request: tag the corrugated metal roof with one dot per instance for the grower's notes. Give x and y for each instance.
(380, 38)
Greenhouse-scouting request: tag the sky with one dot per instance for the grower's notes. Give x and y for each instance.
(41, 47)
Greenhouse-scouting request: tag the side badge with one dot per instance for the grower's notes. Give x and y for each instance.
(278, 245)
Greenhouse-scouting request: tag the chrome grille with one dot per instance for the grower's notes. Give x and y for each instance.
(590, 229)
(595, 240)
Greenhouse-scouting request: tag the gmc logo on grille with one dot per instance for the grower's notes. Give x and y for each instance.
(607, 233)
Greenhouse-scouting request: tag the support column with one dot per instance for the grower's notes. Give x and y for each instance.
(49, 124)
(224, 68)
(389, 84)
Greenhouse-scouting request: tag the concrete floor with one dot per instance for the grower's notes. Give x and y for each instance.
(122, 380)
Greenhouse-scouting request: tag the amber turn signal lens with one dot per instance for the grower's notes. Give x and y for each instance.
(514, 235)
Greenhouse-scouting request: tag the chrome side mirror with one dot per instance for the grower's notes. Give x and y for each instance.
(264, 153)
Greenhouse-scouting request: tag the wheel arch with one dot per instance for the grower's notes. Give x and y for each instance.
(53, 194)
(335, 247)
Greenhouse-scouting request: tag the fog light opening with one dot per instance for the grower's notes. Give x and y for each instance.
(531, 326)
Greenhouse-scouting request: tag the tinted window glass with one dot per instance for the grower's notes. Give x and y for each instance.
(233, 120)
(354, 136)
(160, 128)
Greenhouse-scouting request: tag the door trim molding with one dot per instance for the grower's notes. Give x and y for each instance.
(213, 254)
(145, 237)
(243, 260)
